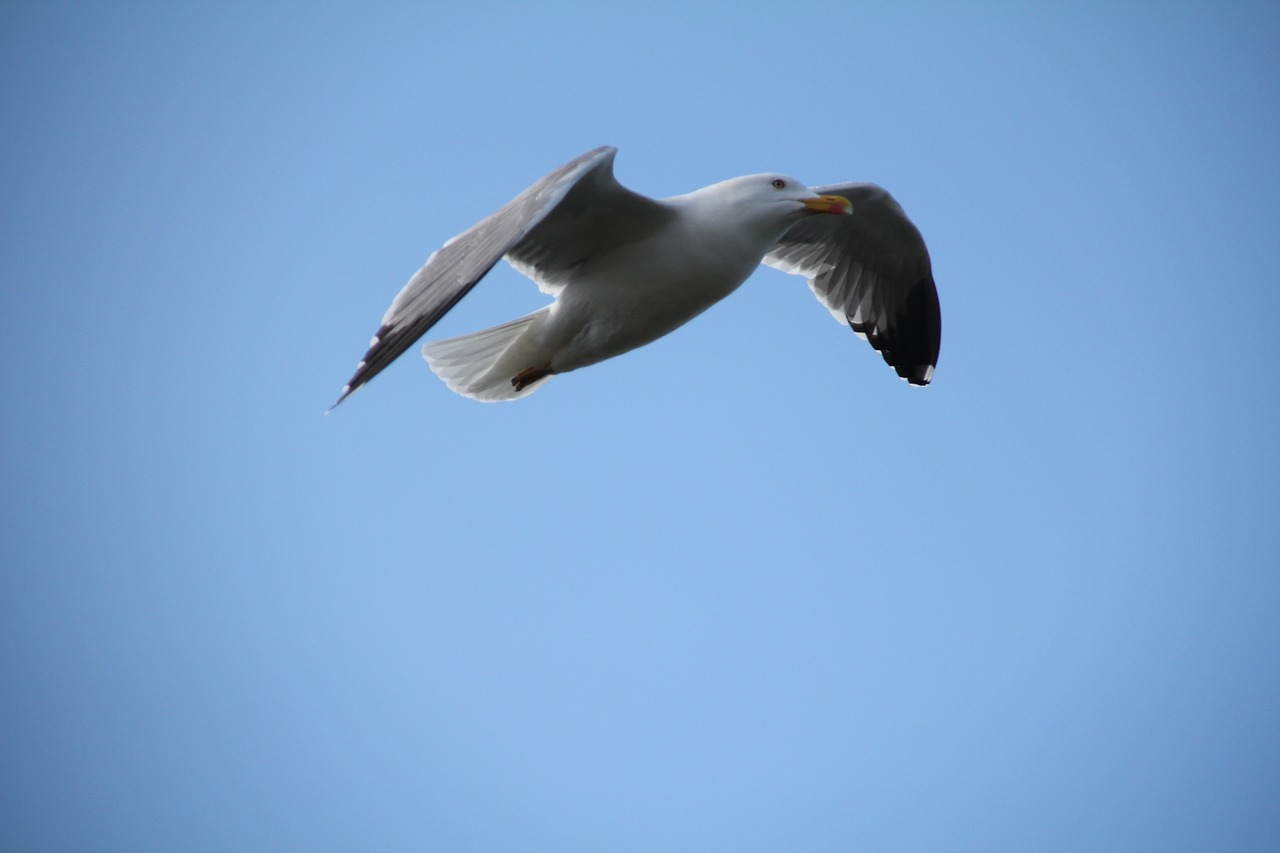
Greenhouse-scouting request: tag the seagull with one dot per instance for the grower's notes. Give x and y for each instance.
(625, 269)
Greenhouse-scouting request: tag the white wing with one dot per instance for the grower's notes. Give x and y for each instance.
(871, 269)
(549, 229)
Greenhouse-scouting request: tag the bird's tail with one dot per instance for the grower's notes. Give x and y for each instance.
(481, 365)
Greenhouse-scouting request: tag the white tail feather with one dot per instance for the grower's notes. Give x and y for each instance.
(482, 364)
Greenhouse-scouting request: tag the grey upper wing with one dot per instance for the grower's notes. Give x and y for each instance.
(551, 226)
(871, 269)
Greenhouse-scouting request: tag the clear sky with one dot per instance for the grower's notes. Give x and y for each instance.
(741, 590)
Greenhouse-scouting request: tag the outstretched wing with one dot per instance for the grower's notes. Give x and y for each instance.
(871, 269)
(551, 227)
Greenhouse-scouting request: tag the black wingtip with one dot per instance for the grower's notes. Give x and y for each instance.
(347, 391)
(923, 307)
(919, 376)
(911, 340)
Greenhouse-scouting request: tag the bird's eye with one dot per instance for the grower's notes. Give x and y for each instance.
(777, 183)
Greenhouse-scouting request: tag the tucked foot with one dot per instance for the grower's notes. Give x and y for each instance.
(528, 376)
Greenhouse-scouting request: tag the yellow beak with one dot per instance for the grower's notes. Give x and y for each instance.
(828, 204)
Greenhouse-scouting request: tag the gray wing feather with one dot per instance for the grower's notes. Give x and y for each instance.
(551, 227)
(872, 271)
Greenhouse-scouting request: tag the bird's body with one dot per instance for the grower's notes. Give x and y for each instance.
(640, 291)
(626, 270)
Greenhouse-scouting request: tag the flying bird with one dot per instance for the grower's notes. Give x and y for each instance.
(626, 269)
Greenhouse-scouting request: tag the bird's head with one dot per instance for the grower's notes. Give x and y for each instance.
(764, 206)
(777, 196)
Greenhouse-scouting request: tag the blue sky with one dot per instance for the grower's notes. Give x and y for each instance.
(739, 590)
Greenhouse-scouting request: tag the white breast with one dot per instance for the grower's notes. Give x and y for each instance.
(641, 291)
